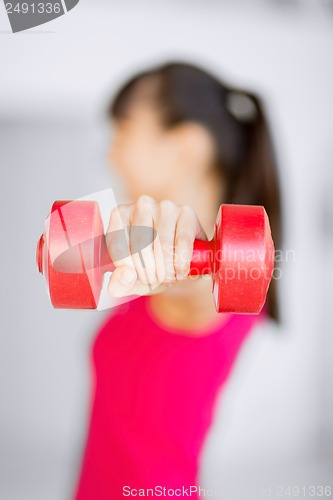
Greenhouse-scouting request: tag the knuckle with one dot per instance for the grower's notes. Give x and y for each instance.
(186, 210)
(168, 206)
(145, 202)
(117, 213)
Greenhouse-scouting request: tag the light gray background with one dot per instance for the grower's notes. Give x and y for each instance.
(275, 422)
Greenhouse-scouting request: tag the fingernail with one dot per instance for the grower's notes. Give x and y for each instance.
(128, 276)
(179, 277)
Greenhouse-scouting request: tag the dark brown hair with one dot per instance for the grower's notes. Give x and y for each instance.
(235, 118)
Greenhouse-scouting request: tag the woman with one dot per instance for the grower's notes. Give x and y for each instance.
(184, 143)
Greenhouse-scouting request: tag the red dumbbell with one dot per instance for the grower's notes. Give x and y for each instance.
(73, 257)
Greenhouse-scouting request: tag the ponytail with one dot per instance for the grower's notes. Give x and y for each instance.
(254, 181)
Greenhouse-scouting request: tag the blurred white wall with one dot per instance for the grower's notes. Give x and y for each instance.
(276, 415)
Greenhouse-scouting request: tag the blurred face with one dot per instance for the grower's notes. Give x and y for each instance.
(162, 163)
(144, 155)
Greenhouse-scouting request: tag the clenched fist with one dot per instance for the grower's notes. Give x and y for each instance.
(157, 249)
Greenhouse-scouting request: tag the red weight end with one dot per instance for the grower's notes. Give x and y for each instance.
(244, 259)
(74, 229)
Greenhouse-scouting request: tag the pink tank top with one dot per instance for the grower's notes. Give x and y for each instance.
(153, 401)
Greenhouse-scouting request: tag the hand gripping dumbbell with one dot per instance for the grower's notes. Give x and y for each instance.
(72, 255)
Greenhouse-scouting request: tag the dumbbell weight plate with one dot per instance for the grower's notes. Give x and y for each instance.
(244, 259)
(77, 229)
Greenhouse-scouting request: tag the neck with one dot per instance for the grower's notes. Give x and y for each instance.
(193, 312)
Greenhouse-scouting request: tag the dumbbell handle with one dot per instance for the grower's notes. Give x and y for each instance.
(201, 263)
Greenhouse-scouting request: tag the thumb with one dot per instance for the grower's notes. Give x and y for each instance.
(121, 281)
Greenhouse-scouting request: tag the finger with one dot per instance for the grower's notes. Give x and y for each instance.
(121, 281)
(187, 230)
(159, 259)
(164, 243)
(142, 235)
(117, 236)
